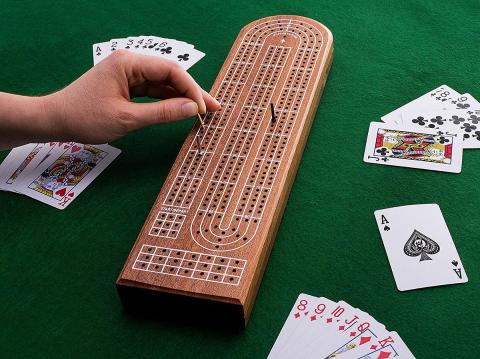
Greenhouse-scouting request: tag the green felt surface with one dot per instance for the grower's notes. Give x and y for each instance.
(58, 268)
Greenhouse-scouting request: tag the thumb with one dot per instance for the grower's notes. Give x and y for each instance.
(169, 110)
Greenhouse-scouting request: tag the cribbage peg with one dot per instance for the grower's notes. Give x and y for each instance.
(272, 110)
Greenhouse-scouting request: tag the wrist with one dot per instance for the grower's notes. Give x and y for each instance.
(23, 120)
(50, 115)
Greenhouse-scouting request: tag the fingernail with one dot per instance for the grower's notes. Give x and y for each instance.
(216, 102)
(203, 109)
(189, 109)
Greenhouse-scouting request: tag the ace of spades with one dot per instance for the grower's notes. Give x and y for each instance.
(419, 247)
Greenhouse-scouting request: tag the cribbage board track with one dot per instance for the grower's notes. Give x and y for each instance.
(212, 226)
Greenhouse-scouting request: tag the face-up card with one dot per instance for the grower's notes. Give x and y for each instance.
(159, 46)
(463, 114)
(467, 125)
(419, 247)
(46, 150)
(178, 51)
(321, 328)
(100, 51)
(186, 57)
(63, 176)
(117, 44)
(326, 326)
(359, 341)
(15, 163)
(184, 54)
(437, 98)
(129, 43)
(339, 330)
(303, 305)
(394, 145)
(465, 102)
(138, 43)
(370, 345)
(311, 325)
(168, 47)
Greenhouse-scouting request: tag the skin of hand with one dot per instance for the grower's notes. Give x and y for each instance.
(97, 107)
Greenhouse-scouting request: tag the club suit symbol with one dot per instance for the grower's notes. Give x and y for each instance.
(183, 57)
(420, 245)
(166, 50)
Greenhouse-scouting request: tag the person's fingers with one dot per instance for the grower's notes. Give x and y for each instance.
(165, 91)
(154, 91)
(144, 69)
(211, 103)
(144, 114)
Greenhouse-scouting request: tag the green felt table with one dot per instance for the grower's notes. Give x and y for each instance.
(58, 268)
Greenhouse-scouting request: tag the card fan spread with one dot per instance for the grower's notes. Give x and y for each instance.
(321, 328)
(182, 53)
(211, 228)
(54, 173)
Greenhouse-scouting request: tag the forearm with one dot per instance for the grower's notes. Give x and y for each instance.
(25, 119)
(97, 107)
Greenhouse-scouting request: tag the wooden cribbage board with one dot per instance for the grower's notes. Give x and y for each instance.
(211, 229)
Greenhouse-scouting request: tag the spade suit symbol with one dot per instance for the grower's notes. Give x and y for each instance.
(386, 228)
(420, 245)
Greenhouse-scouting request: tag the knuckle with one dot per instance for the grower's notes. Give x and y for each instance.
(174, 66)
(162, 114)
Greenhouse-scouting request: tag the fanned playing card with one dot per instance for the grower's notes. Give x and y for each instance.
(462, 114)
(419, 247)
(436, 99)
(100, 51)
(178, 51)
(66, 172)
(15, 164)
(321, 328)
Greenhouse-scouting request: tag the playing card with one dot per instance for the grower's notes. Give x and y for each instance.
(149, 43)
(465, 102)
(187, 57)
(100, 51)
(324, 328)
(339, 329)
(14, 165)
(404, 146)
(463, 113)
(303, 305)
(129, 43)
(138, 43)
(311, 327)
(370, 345)
(158, 46)
(466, 125)
(419, 247)
(435, 99)
(321, 328)
(117, 44)
(356, 342)
(60, 178)
(184, 54)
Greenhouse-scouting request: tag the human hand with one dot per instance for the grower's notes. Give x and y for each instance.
(97, 107)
